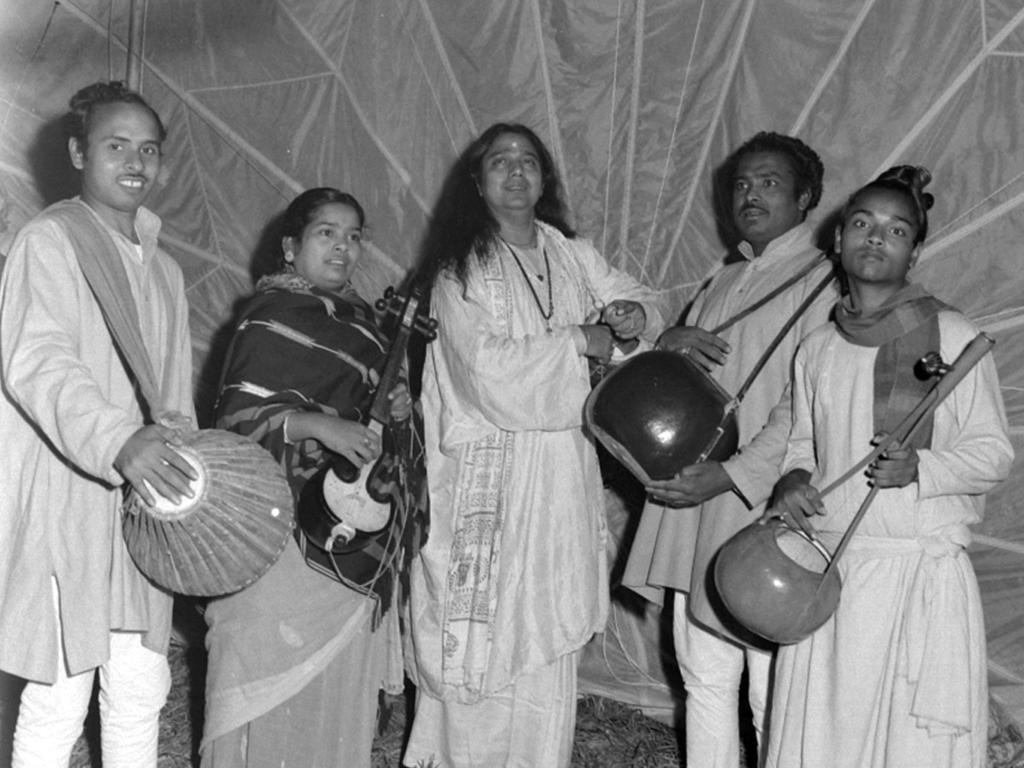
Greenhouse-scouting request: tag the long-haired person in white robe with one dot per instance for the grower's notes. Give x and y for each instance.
(513, 578)
(897, 676)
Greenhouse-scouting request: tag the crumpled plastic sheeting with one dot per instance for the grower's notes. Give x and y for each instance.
(640, 102)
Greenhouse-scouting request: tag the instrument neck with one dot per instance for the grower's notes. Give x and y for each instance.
(380, 409)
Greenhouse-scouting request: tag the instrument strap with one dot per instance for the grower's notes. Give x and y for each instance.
(914, 421)
(769, 296)
(773, 345)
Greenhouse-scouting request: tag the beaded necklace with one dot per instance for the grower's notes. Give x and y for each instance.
(533, 291)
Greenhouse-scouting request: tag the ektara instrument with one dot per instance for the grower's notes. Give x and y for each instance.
(783, 585)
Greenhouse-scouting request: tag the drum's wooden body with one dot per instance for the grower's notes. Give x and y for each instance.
(659, 412)
(229, 534)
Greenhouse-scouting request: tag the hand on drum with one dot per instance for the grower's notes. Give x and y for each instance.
(895, 468)
(149, 455)
(795, 500)
(401, 403)
(627, 319)
(703, 347)
(693, 485)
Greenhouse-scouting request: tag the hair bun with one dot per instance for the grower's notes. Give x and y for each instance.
(915, 177)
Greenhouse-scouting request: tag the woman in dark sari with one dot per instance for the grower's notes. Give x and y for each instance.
(296, 660)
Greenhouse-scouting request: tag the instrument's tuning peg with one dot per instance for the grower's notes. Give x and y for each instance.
(387, 303)
(427, 326)
(931, 365)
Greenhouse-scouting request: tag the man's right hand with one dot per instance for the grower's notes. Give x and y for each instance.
(703, 347)
(148, 455)
(693, 485)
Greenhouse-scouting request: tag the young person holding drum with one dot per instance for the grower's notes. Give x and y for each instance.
(775, 180)
(897, 676)
(72, 601)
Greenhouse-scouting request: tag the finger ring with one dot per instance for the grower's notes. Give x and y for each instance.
(685, 350)
(366, 442)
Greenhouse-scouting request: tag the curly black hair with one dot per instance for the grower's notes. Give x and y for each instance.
(804, 161)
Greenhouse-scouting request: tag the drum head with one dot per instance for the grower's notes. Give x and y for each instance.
(659, 412)
(166, 509)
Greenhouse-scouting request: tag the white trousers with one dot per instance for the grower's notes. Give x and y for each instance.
(711, 668)
(134, 683)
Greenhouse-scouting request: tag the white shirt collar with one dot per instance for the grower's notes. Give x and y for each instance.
(779, 249)
(147, 227)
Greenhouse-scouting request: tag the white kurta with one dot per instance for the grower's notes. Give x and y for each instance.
(495, 374)
(897, 676)
(673, 548)
(67, 408)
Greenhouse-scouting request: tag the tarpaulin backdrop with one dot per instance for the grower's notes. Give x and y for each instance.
(639, 100)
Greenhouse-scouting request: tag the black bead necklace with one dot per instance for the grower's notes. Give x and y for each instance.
(533, 291)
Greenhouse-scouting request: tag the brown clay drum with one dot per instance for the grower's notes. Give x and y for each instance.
(659, 412)
(776, 582)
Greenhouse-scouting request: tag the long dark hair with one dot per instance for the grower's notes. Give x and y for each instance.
(462, 226)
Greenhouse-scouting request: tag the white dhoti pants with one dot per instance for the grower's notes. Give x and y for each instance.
(711, 668)
(134, 683)
(530, 724)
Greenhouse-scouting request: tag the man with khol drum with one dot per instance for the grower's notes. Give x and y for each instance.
(775, 181)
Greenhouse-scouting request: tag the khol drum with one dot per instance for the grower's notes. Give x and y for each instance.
(659, 412)
(229, 534)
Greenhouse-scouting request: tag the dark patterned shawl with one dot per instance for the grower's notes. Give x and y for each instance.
(299, 348)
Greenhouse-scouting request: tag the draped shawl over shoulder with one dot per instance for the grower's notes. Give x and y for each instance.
(295, 349)
(67, 408)
(897, 675)
(513, 575)
(298, 348)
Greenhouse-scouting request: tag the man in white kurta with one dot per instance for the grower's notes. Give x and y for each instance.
(513, 579)
(897, 677)
(67, 409)
(776, 180)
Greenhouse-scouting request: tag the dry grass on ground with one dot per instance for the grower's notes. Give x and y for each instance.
(608, 734)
